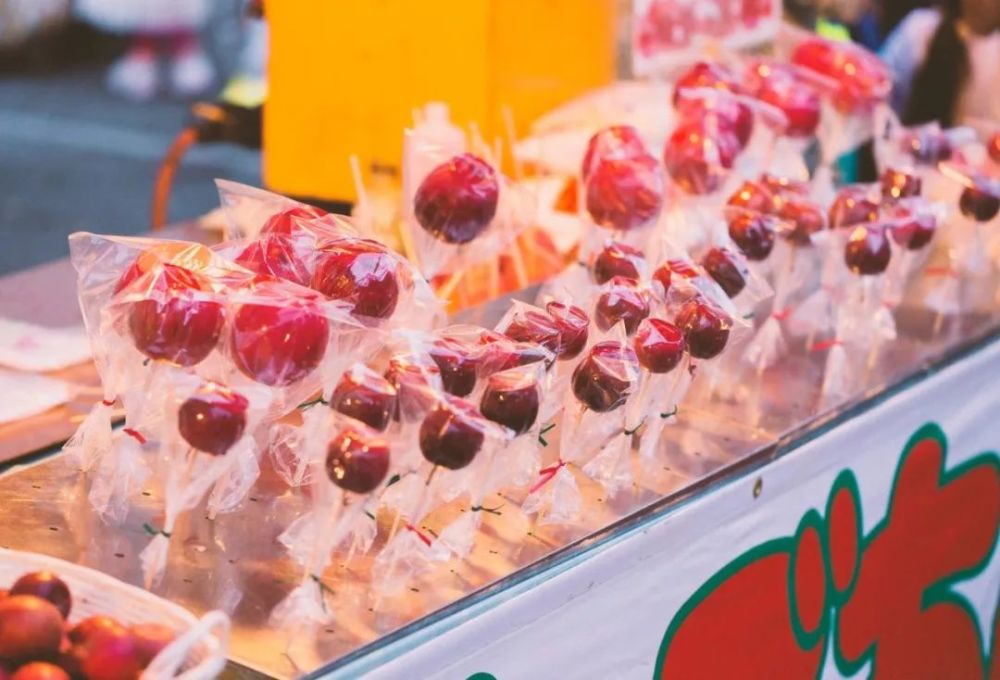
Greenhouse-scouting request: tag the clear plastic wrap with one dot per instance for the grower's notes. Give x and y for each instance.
(464, 211)
(622, 182)
(251, 211)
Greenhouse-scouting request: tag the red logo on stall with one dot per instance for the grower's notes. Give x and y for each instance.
(886, 598)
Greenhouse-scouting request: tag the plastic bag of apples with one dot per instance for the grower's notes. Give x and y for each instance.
(60, 620)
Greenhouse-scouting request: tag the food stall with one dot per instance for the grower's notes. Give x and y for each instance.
(559, 410)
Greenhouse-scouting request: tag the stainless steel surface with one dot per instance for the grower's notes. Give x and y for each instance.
(234, 563)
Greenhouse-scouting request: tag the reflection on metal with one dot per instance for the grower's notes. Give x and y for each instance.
(236, 564)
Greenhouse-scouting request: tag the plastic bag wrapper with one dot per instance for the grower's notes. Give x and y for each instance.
(768, 345)
(464, 211)
(861, 80)
(604, 379)
(286, 445)
(624, 194)
(573, 325)
(206, 424)
(237, 480)
(304, 607)
(406, 556)
(379, 287)
(679, 279)
(945, 293)
(555, 498)
(784, 87)
(740, 282)
(119, 477)
(251, 211)
(699, 155)
(612, 466)
(92, 437)
(606, 257)
(840, 377)
(145, 300)
(664, 412)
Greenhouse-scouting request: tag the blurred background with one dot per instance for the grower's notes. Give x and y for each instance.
(93, 94)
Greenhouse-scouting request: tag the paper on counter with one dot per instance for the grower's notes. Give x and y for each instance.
(37, 349)
(28, 395)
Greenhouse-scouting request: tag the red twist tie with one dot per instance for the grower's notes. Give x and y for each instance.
(426, 541)
(108, 403)
(826, 344)
(546, 475)
(782, 314)
(134, 434)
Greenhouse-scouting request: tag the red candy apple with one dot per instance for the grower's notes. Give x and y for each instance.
(897, 184)
(621, 301)
(281, 339)
(659, 345)
(720, 113)
(926, 144)
(981, 201)
(89, 626)
(912, 230)
(624, 194)
(867, 251)
(458, 363)
(993, 147)
(618, 259)
(753, 196)
(620, 142)
(39, 670)
(365, 396)
(356, 461)
(511, 400)
(705, 326)
(213, 419)
(604, 379)
(274, 255)
(706, 75)
(534, 326)
(697, 159)
(851, 207)
(46, 585)
(361, 272)
(753, 234)
(458, 199)
(573, 325)
(415, 383)
(451, 434)
(286, 222)
(175, 322)
(798, 101)
(801, 220)
(726, 269)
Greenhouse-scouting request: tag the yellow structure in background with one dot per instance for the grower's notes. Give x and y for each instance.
(345, 75)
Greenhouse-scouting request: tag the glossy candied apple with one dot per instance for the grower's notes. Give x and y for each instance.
(624, 194)
(46, 585)
(573, 324)
(274, 255)
(109, 654)
(40, 670)
(150, 640)
(980, 202)
(705, 74)
(451, 434)
(801, 220)
(458, 363)
(511, 400)
(705, 326)
(356, 461)
(286, 222)
(89, 626)
(663, 278)
(458, 199)
(621, 301)
(720, 113)
(659, 345)
(415, 381)
(604, 379)
(618, 259)
(176, 322)
(913, 231)
(867, 251)
(753, 234)
(617, 141)
(365, 396)
(861, 78)
(799, 103)
(927, 145)
(781, 186)
(504, 354)
(279, 341)
(30, 628)
(360, 272)
(897, 184)
(852, 206)
(753, 196)
(535, 326)
(213, 419)
(697, 159)
(726, 269)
